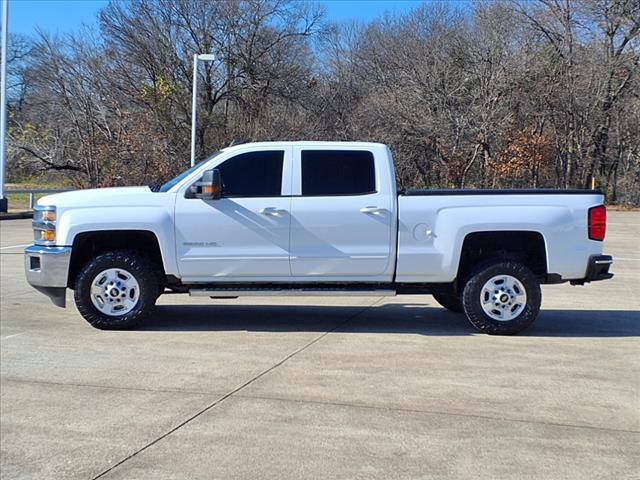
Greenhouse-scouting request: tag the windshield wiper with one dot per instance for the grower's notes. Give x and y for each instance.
(155, 187)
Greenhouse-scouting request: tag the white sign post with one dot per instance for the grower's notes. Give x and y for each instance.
(194, 100)
(3, 106)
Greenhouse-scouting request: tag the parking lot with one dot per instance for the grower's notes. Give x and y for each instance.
(323, 387)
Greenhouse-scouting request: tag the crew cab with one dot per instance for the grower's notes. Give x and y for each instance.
(313, 218)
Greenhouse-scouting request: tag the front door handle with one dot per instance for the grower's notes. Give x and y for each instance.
(372, 210)
(272, 211)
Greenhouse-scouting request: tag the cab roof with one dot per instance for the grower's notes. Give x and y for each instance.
(305, 143)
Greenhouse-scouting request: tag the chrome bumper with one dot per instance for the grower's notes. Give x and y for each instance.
(47, 270)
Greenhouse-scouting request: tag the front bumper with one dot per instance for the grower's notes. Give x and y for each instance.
(47, 270)
(597, 269)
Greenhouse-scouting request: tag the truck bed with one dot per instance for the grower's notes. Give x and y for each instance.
(431, 234)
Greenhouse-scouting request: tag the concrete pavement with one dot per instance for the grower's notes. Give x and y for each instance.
(322, 387)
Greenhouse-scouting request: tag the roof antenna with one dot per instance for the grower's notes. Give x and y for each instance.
(237, 141)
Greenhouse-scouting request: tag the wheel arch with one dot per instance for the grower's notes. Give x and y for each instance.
(525, 246)
(87, 245)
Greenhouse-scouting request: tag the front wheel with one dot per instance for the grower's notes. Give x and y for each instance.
(501, 298)
(116, 290)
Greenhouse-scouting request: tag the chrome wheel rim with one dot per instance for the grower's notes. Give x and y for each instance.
(115, 292)
(503, 298)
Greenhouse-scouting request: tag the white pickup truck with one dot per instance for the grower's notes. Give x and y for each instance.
(313, 218)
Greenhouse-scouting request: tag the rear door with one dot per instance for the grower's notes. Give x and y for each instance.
(341, 216)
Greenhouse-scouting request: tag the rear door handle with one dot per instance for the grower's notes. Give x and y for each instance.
(272, 211)
(372, 210)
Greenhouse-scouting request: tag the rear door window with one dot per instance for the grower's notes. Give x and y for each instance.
(337, 172)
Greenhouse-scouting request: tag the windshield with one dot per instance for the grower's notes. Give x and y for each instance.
(174, 181)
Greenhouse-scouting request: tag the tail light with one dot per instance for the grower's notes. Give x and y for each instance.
(597, 222)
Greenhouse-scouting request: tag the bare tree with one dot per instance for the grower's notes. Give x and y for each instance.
(509, 94)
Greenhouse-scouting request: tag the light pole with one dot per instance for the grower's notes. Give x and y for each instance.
(207, 57)
(3, 106)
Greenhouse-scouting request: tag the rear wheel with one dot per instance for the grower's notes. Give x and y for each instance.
(501, 298)
(116, 290)
(449, 301)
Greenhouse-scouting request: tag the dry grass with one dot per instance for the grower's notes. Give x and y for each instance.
(19, 202)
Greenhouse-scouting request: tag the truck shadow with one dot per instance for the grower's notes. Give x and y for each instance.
(407, 318)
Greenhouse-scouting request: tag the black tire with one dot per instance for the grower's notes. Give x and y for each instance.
(144, 272)
(449, 301)
(471, 298)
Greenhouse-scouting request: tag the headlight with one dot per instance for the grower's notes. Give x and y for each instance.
(44, 214)
(49, 215)
(44, 225)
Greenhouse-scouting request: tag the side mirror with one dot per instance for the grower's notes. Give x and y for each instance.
(210, 185)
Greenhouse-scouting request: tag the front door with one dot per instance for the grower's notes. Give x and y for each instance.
(244, 235)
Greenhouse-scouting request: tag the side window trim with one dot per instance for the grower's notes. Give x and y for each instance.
(287, 172)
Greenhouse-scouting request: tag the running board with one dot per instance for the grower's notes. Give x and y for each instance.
(288, 292)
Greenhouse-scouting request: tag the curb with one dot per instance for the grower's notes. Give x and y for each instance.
(15, 216)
